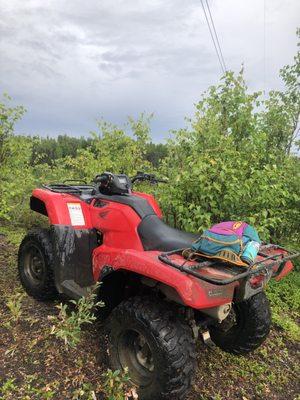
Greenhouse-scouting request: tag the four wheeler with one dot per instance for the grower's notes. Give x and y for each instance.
(157, 301)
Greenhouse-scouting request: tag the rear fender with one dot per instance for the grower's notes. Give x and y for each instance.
(191, 291)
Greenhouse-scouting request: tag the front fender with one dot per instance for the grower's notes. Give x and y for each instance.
(56, 207)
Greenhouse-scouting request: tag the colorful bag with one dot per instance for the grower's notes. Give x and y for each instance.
(235, 242)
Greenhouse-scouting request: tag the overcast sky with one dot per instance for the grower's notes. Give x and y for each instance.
(71, 62)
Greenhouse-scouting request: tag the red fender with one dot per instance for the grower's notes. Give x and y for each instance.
(193, 292)
(57, 207)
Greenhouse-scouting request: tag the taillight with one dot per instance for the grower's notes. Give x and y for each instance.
(257, 281)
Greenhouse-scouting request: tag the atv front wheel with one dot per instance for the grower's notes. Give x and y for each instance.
(155, 344)
(246, 327)
(35, 265)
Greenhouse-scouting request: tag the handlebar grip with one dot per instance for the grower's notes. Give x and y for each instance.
(147, 177)
(101, 179)
(161, 180)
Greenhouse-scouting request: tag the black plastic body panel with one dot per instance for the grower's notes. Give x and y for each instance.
(38, 206)
(73, 250)
(138, 204)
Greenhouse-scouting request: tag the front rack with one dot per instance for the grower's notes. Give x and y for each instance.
(253, 269)
(69, 189)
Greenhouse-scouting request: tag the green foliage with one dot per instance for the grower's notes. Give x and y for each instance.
(85, 392)
(281, 118)
(13, 236)
(68, 325)
(14, 304)
(31, 390)
(8, 117)
(285, 302)
(223, 166)
(113, 150)
(7, 388)
(47, 150)
(116, 384)
(234, 162)
(13, 162)
(155, 153)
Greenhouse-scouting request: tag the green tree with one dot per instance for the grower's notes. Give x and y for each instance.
(112, 149)
(14, 157)
(8, 117)
(221, 167)
(280, 121)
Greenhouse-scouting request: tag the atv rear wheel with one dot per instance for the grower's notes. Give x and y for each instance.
(35, 265)
(147, 336)
(246, 327)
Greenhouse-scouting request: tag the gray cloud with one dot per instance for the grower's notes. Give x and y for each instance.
(70, 62)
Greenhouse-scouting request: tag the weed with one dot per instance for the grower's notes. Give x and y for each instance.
(14, 304)
(13, 236)
(85, 392)
(7, 388)
(116, 385)
(285, 302)
(68, 326)
(28, 390)
(218, 397)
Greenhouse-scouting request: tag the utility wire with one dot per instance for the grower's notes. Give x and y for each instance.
(264, 50)
(216, 36)
(223, 68)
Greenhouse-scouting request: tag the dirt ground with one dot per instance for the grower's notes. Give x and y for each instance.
(36, 365)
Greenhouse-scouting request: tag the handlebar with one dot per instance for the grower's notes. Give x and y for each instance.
(141, 176)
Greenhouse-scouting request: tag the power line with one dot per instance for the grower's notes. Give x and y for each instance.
(216, 35)
(219, 53)
(264, 49)
(212, 36)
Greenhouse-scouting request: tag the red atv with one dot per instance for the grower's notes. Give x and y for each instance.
(158, 301)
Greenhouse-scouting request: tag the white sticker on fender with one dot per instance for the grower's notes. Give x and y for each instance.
(76, 214)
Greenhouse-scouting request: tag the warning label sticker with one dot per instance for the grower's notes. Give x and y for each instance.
(76, 214)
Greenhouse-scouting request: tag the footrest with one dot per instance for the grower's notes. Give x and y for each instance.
(207, 339)
(72, 289)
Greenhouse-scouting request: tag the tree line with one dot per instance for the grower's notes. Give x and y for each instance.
(48, 149)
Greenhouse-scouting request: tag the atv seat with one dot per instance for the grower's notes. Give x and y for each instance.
(156, 235)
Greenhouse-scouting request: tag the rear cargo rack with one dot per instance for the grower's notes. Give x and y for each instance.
(253, 269)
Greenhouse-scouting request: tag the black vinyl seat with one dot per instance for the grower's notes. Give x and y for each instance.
(157, 235)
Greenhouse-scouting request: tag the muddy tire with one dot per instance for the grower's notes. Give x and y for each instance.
(147, 336)
(250, 328)
(35, 265)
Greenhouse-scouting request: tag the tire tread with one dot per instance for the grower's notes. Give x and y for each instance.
(41, 237)
(174, 337)
(256, 327)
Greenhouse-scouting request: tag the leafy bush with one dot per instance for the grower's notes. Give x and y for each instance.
(31, 389)
(68, 325)
(285, 302)
(14, 304)
(224, 167)
(116, 385)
